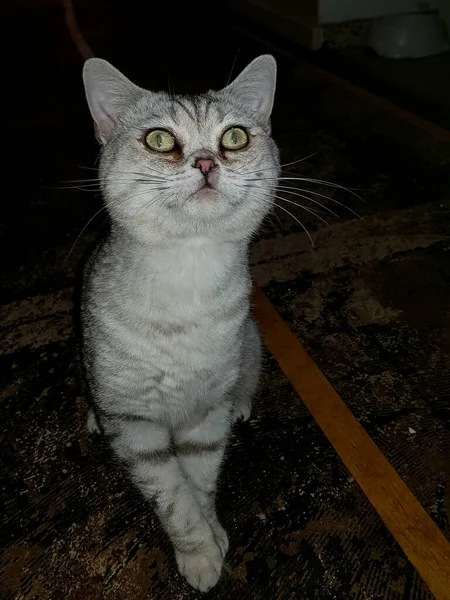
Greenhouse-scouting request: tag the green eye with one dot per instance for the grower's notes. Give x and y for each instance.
(234, 139)
(160, 140)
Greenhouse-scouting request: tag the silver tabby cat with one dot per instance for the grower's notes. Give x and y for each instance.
(171, 352)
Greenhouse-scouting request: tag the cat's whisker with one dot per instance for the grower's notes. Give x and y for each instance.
(80, 188)
(232, 67)
(299, 222)
(93, 188)
(277, 218)
(170, 87)
(83, 187)
(288, 190)
(125, 172)
(155, 171)
(284, 165)
(84, 229)
(326, 183)
(289, 213)
(258, 170)
(313, 212)
(350, 190)
(87, 179)
(149, 181)
(270, 220)
(159, 174)
(308, 179)
(87, 168)
(272, 211)
(248, 164)
(270, 194)
(145, 206)
(320, 182)
(145, 192)
(294, 162)
(95, 185)
(115, 179)
(325, 197)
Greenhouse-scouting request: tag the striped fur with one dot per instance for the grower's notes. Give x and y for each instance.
(171, 352)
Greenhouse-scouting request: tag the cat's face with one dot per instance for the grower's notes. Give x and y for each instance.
(181, 166)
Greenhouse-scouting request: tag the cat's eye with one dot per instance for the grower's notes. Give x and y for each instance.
(234, 139)
(160, 140)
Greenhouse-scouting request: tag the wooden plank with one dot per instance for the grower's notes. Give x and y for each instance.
(421, 540)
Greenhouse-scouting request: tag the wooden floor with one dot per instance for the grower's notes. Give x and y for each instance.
(413, 529)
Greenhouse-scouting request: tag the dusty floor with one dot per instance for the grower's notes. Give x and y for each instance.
(370, 302)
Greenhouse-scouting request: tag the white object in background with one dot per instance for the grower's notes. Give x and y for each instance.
(340, 11)
(408, 36)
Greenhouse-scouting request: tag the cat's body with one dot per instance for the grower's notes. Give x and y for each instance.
(184, 328)
(171, 352)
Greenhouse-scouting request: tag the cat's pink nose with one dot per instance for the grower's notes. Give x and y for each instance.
(205, 165)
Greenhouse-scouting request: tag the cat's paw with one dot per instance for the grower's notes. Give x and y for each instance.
(92, 423)
(221, 536)
(202, 570)
(242, 412)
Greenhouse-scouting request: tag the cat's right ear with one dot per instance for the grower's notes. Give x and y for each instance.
(255, 86)
(108, 93)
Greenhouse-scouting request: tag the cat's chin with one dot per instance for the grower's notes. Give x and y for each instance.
(206, 203)
(205, 194)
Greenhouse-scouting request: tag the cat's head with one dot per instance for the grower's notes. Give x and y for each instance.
(185, 166)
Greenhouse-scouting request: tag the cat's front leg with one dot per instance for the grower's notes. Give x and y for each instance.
(146, 449)
(250, 369)
(200, 450)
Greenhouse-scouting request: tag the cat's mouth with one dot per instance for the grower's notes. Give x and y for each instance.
(208, 185)
(206, 190)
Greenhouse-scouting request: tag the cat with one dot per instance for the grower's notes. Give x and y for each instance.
(171, 352)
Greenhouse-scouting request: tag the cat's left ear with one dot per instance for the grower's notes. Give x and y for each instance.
(255, 86)
(108, 93)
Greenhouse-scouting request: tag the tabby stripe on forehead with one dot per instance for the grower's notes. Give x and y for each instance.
(199, 448)
(189, 113)
(197, 108)
(221, 111)
(208, 102)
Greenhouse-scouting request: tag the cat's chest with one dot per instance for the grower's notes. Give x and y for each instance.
(189, 313)
(187, 306)
(187, 331)
(195, 282)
